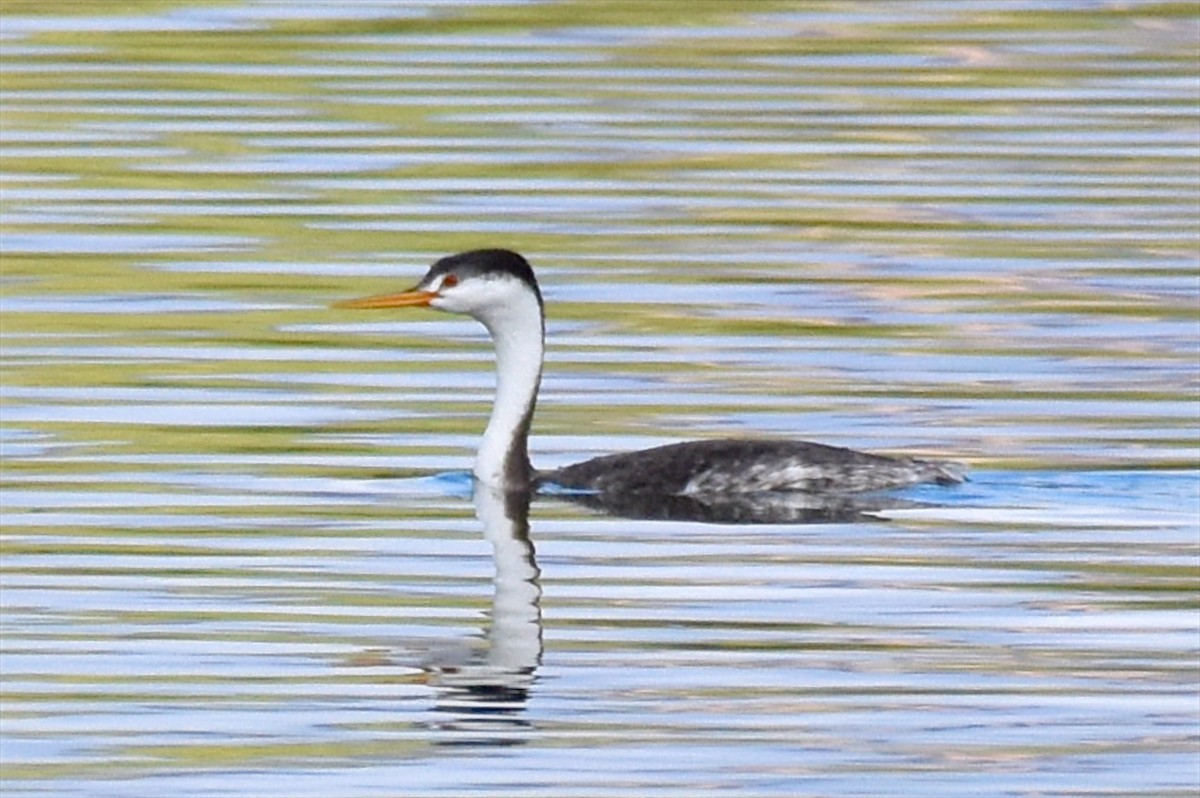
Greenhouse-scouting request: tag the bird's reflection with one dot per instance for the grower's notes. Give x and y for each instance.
(482, 695)
(482, 700)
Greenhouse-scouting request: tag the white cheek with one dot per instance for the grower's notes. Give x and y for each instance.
(487, 300)
(460, 299)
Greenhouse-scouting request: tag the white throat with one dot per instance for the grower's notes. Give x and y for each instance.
(517, 331)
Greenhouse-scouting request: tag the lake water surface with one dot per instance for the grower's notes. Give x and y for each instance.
(241, 551)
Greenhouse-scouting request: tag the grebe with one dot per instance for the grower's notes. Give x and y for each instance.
(497, 288)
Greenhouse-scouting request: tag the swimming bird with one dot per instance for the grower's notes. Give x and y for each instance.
(497, 287)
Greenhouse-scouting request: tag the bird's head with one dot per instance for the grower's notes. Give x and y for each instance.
(486, 284)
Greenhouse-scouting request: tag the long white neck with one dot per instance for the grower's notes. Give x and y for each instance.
(517, 330)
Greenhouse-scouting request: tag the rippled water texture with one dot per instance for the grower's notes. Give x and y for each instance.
(241, 552)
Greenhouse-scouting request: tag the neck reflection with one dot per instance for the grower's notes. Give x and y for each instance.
(482, 700)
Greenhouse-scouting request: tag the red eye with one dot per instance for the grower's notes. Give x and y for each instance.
(449, 281)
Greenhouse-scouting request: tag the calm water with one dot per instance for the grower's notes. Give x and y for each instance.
(241, 555)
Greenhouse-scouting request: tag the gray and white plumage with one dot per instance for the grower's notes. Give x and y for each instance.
(498, 288)
(713, 467)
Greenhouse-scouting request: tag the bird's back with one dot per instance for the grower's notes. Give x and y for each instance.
(715, 467)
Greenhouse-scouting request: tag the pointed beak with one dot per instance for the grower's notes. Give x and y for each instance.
(411, 298)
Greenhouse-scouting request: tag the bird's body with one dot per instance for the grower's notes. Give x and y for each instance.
(713, 467)
(498, 288)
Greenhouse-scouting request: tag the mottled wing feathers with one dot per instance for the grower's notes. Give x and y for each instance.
(700, 468)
